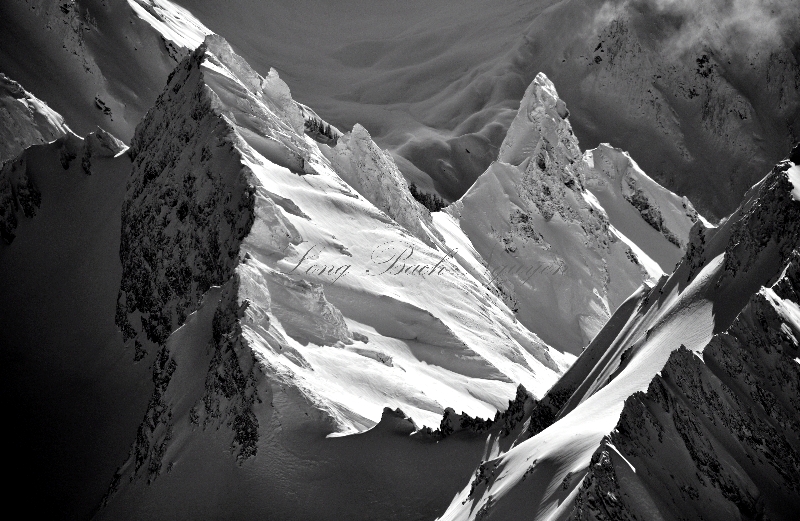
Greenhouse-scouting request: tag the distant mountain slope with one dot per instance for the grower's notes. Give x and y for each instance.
(96, 62)
(710, 88)
(707, 87)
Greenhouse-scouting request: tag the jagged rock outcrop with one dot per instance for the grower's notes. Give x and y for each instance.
(319, 129)
(503, 423)
(25, 120)
(99, 144)
(772, 218)
(715, 436)
(189, 204)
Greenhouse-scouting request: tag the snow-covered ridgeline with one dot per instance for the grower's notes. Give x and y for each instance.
(25, 120)
(721, 272)
(373, 173)
(19, 194)
(713, 437)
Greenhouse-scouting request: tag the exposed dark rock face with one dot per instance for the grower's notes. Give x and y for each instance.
(231, 387)
(545, 412)
(189, 204)
(503, 422)
(600, 497)
(651, 214)
(775, 219)
(185, 214)
(18, 195)
(716, 436)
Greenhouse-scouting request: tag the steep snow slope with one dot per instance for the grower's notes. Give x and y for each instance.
(24, 120)
(97, 62)
(684, 87)
(545, 223)
(652, 214)
(722, 270)
(327, 259)
(282, 306)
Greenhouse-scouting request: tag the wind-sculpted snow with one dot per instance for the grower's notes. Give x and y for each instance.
(24, 120)
(251, 267)
(373, 173)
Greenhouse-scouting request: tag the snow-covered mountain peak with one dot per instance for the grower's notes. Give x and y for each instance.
(544, 237)
(310, 268)
(542, 115)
